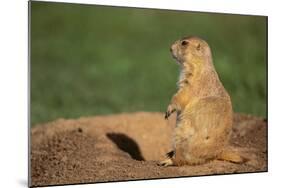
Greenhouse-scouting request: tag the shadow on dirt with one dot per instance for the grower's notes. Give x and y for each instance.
(126, 144)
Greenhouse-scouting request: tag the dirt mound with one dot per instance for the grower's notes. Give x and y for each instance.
(127, 147)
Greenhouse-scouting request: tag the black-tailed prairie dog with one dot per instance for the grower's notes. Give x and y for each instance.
(203, 106)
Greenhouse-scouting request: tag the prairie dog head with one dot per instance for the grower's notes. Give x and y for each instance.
(191, 50)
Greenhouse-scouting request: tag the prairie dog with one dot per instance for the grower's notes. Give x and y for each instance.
(203, 106)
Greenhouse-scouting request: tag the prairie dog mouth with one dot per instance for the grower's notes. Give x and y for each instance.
(175, 57)
(173, 53)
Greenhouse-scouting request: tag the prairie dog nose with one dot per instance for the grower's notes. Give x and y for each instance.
(172, 47)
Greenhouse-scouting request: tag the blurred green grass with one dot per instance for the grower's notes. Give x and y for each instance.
(89, 60)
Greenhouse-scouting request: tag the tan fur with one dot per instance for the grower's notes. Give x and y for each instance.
(203, 106)
(232, 156)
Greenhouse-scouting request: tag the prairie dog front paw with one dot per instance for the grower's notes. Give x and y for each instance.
(171, 109)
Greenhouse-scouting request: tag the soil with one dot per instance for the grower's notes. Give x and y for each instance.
(128, 147)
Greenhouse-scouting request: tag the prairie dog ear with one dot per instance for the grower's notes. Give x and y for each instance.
(198, 47)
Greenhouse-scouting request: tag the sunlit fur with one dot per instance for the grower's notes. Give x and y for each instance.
(203, 106)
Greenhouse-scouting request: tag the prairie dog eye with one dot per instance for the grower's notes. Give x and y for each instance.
(184, 43)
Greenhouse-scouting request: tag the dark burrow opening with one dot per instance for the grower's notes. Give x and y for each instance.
(126, 144)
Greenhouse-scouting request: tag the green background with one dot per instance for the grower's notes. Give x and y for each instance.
(88, 60)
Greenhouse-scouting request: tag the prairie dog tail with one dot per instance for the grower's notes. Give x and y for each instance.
(231, 155)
